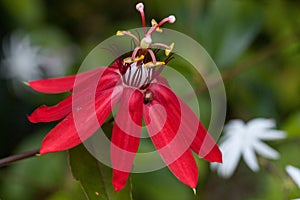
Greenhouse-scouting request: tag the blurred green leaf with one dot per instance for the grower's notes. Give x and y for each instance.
(227, 33)
(95, 177)
(160, 185)
(71, 191)
(278, 185)
(27, 13)
(33, 177)
(292, 125)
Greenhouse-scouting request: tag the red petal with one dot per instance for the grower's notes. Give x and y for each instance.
(202, 142)
(65, 84)
(87, 114)
(205, 146)
(163, 119)
(195, 133)
(162, 80)
(53, 85)
(65, 135)
(47, 114)
(126, 135)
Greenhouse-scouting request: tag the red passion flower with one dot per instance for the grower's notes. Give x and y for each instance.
(135, 84)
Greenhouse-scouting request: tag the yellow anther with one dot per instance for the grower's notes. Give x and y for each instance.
(129, 59)
(168, 50)
(153, 23)
(119, 33)
(139, 58)
(151, 64)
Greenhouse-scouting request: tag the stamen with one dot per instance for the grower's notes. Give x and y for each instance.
(140, 8)
(170, 19)
(168, 50)
(154, 23)
(160, 45)
(152, 55)
(130, 60)
(121, 33)
(135, 52)
(151, 64)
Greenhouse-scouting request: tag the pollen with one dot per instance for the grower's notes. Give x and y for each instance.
(168, 50)
(154, 23)
(119, 33)
(130, 60)
(151, 64)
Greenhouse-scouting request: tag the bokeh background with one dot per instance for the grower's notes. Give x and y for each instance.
(255, 44)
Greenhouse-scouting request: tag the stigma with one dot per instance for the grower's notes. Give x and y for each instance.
(145, 45)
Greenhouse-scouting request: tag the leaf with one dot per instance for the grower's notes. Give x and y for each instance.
(292, 125)
(95, 178)
(278, 185)
(227, 29)
(30, 178)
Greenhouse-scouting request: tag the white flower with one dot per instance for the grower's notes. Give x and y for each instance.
(244, 140)
(294, 173)
(24, 61)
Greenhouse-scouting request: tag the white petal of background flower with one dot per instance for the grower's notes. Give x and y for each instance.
(265, 151)
(250, 158)
(233, 127)
(231, 150)
(294, 173)
(21, 59)
(261, 123)
(272, 135)
(244, 140)
(24, 61)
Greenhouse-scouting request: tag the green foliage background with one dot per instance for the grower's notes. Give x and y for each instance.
(255, 44)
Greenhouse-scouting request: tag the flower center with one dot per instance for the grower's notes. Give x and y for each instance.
(137, 75)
